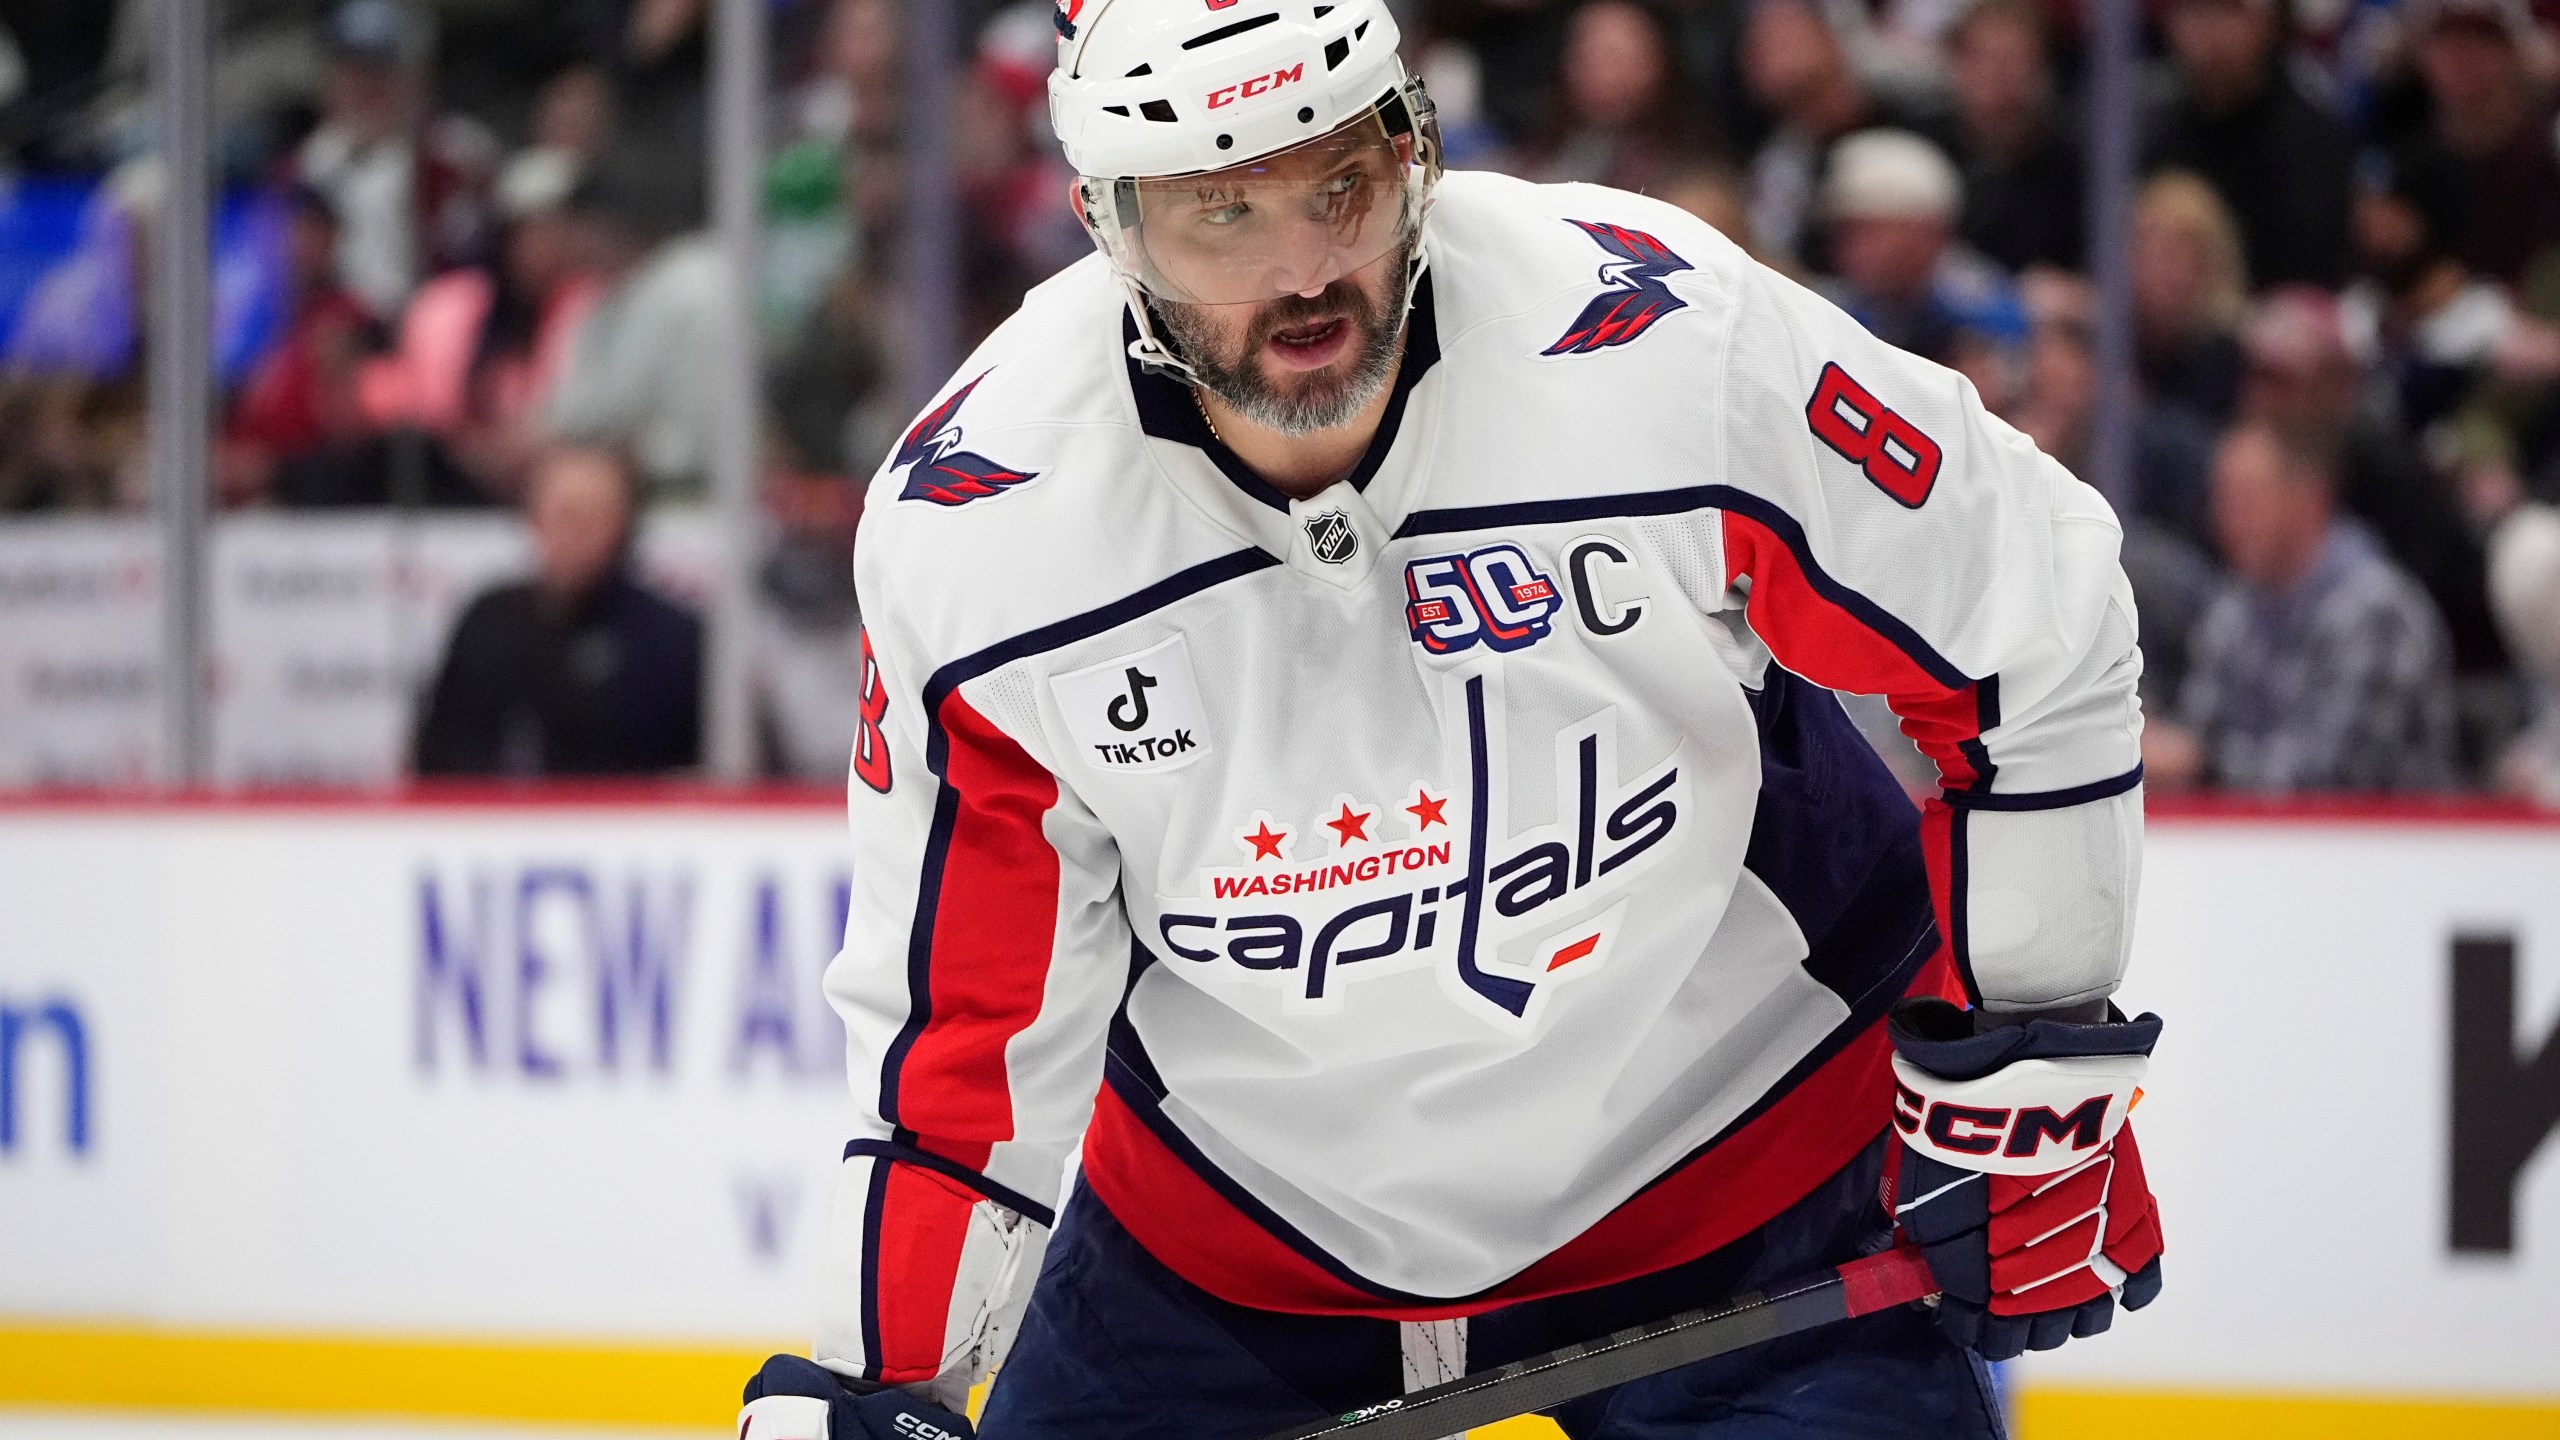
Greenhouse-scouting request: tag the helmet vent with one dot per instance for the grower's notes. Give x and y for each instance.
(1212, 37)
(1160, 111)
(1322, 11)
(1119, 110)
(1336, 50)
(1141, 70)
(1360, 31)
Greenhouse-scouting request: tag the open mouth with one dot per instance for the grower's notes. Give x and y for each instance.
(1313, 344)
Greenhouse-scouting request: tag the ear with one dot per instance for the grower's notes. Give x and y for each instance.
(1075, 203)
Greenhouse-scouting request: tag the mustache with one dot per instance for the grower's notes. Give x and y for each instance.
(1340, 300)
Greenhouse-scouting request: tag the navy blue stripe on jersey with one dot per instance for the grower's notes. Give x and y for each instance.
(875, 1200)
(1168, 410)
(1511, 995)
(1125, 1068)
(904, 1154)
(1421, 352)
(2106, 789)
(1986, 718)
(1698, 497)
(1174, 588)
(1180, 585)
(1960, 885)
(1866, 1010)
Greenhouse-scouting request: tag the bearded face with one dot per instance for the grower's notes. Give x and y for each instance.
(1301, 363)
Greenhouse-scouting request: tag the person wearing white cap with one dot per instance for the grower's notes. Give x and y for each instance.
(1891, 201)
(1345, 750)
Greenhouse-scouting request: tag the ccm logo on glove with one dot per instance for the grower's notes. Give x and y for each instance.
(2031, 1117)
(1974, 1130)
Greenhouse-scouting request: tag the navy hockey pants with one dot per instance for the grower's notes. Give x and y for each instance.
(1116, 1347)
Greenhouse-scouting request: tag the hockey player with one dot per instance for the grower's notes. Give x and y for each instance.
(1347, 743)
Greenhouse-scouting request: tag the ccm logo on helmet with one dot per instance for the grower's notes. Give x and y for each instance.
(1226, 95)
(1982, 1129)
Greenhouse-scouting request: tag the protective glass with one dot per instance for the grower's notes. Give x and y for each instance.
(1284, 224)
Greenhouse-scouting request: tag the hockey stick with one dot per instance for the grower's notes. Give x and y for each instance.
(1861, 1287)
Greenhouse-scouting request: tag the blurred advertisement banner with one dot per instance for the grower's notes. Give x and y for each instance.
(558, 1071)
(325, 630)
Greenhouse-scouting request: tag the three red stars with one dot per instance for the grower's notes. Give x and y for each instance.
(1266, 841)
(1426, 811)
(1350, 824)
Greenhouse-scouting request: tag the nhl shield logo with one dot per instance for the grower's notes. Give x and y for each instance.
(1331, 537)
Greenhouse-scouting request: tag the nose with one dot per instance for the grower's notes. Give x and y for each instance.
(1308, 255)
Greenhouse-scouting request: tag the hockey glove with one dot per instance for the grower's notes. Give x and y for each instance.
(794, 1398)
(2019, 1176)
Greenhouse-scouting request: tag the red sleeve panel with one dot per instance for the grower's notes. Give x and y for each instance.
(985, 932)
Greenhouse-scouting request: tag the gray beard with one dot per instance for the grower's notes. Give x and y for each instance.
(1322, 404)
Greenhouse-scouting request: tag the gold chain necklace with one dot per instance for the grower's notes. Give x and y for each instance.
(1203, 407)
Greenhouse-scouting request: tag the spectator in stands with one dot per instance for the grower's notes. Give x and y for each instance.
(2172, 448)
(2322, 665)
(1621, 116)
(2302, 377)
(2162, 503)
(2189, 290)
(637, 377)
(581, 670)
(1891, 200)
(573, 116)
(481, 347)
(1714, 194)
(2524, 584)
(2479, 59)
(1796, 68)
(2430, 324)
(1016, 233)
(2022, 187)
(410, 190)
(808, 646)
(2238, 117)
(296, 432)
(71, 387)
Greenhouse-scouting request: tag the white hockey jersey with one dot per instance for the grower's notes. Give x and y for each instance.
(1431, 895)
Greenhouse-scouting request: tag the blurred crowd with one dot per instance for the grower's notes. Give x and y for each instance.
(488, 283)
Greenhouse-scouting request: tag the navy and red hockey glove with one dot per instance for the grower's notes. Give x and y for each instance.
(2019, 1177)
(795, 1398)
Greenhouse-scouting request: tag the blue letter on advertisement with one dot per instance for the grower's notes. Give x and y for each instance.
(449, 965)
(17, 1025)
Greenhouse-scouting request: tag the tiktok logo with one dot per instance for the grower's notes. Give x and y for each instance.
(1129, 712)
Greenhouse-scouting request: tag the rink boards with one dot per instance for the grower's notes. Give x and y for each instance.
(527, 1110)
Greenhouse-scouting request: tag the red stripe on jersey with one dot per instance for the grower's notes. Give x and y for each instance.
(995, 928)
(969, 1154)
(1825, 642)
(1182, 1220)
(929, 1215)
(1770, 1163)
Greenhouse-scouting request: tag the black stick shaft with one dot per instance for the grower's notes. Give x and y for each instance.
(1860, 1287)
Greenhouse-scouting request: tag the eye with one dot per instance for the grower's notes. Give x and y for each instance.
(1227, 214)
(1344, 183)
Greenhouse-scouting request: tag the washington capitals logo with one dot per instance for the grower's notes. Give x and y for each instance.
(944, 473)
(1636, 296)
(1065, 18)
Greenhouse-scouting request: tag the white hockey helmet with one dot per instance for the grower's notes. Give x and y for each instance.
(1233, 151)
